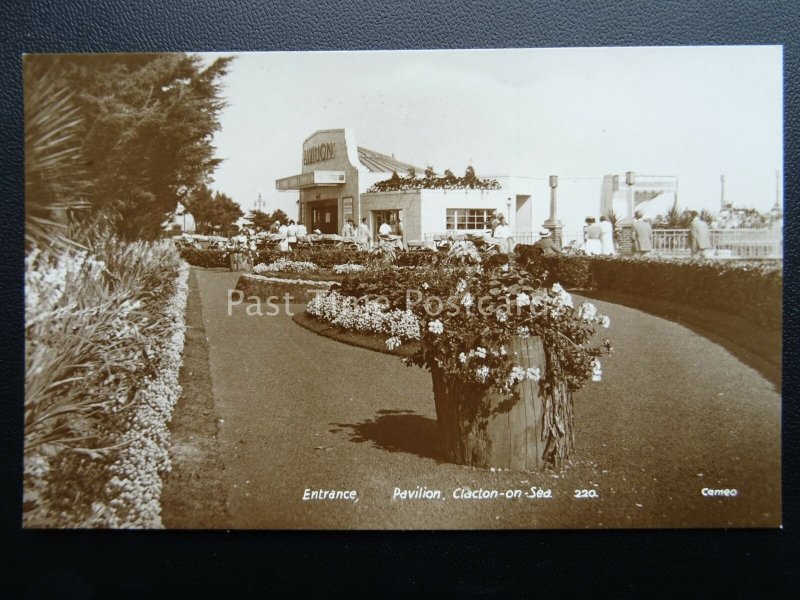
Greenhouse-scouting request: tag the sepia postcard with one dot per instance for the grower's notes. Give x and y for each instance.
(440, 289)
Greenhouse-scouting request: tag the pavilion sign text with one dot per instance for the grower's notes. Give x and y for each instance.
(318, 153)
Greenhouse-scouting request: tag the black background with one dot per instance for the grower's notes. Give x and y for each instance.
(95, 564)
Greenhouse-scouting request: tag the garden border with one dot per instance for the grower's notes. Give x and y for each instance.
(359, 339)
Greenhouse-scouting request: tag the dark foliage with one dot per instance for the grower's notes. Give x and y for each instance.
(750, 290)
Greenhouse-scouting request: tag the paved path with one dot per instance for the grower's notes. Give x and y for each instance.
(673, 414)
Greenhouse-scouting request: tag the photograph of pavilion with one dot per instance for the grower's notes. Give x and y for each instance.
(450, 289)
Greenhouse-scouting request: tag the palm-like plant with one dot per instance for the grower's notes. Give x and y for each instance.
(56, 185)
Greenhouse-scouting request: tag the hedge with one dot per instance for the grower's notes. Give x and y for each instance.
(750, 290)
(205, 258)
(324, 257)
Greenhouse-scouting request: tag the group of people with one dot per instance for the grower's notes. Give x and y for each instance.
(699, 236)
(291, 231)
(388, 232)
(598, 238)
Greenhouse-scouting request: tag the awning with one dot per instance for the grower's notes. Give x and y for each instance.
(312, 179)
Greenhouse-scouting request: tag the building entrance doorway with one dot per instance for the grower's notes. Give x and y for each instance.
(393, 217)
(324, 216)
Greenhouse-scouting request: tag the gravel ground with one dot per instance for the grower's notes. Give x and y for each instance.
(675, 413)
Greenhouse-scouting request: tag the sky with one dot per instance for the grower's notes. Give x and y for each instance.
(693, 112)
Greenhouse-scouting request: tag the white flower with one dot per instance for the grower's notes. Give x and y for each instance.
(480, 352)
(436, 327)
(505, 268)
(533, 373)
(557, 289)
(523, 332)
(597, 370)
(467, 300)
(482, 373)
(523, 299)
(393, 342)
(462, 357)
(587, 311)
(502, 316)
(462, 285)
(425, 286)
(517, 374)
(605, 322)
(502, 350)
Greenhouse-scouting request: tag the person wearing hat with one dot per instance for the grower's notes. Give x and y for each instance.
(642, 235)
(545, 243)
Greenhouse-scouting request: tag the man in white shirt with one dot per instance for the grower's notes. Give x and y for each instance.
(503, 233)
(385, 229)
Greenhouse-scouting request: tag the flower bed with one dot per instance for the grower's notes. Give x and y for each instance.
(207, 259)
(469, 320)
(104, 335)
(323, 257)
(284, 264)
(300, 289)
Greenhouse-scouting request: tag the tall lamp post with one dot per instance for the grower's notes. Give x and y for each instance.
(630, 180)
(553, 224)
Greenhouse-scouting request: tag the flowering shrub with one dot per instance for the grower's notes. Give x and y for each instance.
(466, 320)
(348, 268)
(463, 252)
(431, 181)
(104, 335)
(356, 314)
(284, 264)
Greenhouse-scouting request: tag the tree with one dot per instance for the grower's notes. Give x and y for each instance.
(278, 215)
(144, 123)
(260, 220)
(213, 212)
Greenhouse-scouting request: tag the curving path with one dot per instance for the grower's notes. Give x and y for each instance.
(675, 413)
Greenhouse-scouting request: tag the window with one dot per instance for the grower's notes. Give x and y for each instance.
(469, 218)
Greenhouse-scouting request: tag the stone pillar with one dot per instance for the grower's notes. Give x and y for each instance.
(553, 224)
(630, 179)
(626, 238)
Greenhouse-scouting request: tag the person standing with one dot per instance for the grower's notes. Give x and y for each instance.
(302, 230)
(503, 233)
(495, 222)
(642, 235)
(283, 246)
(348, 231)
(699, 237)
(606, 236)
(591, 237)
(363, 235)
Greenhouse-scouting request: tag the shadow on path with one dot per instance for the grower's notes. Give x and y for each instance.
(397, 431)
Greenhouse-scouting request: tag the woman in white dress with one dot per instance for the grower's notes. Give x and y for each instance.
(284, 243)
(591, 235)
(606, 236)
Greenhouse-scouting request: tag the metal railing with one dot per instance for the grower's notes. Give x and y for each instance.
(725, 243)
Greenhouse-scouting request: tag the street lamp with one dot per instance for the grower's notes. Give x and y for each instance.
(630, 180)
